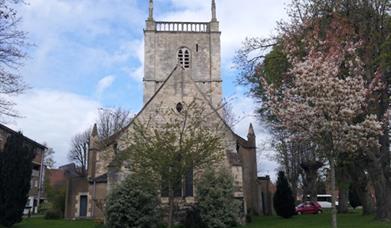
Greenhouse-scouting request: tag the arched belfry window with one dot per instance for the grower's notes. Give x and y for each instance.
(184, 57)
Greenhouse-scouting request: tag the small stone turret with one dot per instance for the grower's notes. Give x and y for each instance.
(214, 14)
(150, 17)
(251, 135)
(249, 159)
(92, 151)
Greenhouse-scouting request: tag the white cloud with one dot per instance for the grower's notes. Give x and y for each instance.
(243, 109)
(88, 34)
(104, 83)
(54, 117)
(136, 73)
(238, 19)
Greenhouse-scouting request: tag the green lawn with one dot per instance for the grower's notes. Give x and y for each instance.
(42, 223)
(352, 220)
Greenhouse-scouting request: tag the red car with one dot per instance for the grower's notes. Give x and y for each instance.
(308, 208)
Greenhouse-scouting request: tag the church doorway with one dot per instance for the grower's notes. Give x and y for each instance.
(83, 206)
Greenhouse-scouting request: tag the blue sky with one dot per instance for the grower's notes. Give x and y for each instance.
(88, 54)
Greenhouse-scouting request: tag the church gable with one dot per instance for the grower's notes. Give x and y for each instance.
(180, 88)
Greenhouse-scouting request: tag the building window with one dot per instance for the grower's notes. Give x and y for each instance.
(189, 184)
(181, 187)
(184, 57)
(179, 107)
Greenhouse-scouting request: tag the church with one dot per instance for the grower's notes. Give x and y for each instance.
(182, 63)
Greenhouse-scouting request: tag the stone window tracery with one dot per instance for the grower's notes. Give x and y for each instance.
(184, 57)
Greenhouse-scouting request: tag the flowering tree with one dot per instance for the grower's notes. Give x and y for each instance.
(370, 19)
(326, 97)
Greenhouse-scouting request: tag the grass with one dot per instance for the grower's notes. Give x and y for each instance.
(42, 223)
(351, 220)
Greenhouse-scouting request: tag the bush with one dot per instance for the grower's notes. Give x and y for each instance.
(284, 203)
(53, 214)
(56, 196)
(133, 203)
(217, 205)
(193, 218)
(43, 208)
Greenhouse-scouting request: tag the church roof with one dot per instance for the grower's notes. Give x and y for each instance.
(12, 132)
(243, 142)
(116, 135)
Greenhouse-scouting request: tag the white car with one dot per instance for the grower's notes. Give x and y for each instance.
(325, 201)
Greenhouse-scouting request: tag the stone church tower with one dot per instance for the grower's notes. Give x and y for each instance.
(182, 63)
(194, 45)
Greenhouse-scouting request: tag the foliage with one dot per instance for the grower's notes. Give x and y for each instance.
(56, 198)
(12, 54)
(283, 201)
(354, 200)
(133, 203)
(43, 208)
(193, 218)
(52, 214)
(328, 94)
(15, 174)
(328, 97)
(216, 202)
(370, 24)
(173, 144)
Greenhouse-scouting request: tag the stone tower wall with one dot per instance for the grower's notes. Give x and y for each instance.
(161, 50)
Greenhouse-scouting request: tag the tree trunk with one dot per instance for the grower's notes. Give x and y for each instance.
(360, 186)
(380, 162)
(367, 206)
(333, 194)
(379, 173)
(344, 180)
(311, 176)
(383, 197)
(383, 201)
(343, 200)
(170, 204)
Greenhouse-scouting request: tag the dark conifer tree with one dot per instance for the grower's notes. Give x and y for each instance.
(15, 175)
(283, 200)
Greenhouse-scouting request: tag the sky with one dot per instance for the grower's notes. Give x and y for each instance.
(88, 54)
